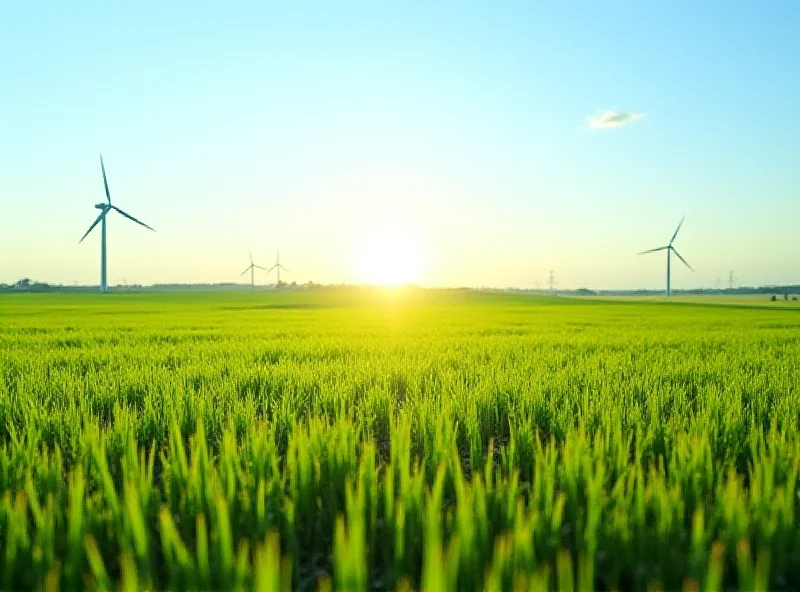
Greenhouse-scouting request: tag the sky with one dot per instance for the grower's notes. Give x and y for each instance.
(499, 140)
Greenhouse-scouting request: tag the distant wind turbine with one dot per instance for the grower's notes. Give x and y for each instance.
(278, 266)
(105, 208)
(251, 268)
(670, 249)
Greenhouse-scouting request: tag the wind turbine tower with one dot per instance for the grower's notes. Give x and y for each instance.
(278, 267)
(251, 268)
(105, 208)
(670, 249)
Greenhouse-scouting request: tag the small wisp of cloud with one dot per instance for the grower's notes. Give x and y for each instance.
(609, 119)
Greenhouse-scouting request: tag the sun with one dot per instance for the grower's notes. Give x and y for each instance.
(390, 256)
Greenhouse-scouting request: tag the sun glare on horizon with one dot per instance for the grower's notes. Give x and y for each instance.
(390, 256)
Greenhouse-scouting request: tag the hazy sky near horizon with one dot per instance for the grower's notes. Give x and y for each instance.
(511, 138)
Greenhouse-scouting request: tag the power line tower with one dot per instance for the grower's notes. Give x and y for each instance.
(731, 280)
(552, 281)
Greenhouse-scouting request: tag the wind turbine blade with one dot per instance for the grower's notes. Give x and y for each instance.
(245, 271)
(129, 217)
(251, 256)
(259, 267)
(682, 259)
(100, 217)
(105, 181)
(676, 230)
(283, 268)
(271, 268)
(653, 250)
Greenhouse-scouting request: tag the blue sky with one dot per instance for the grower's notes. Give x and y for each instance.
(303, 126)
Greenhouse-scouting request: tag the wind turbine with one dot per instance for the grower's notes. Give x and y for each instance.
(251, 268)
(105, 208)
(278, 266)
(670, 249)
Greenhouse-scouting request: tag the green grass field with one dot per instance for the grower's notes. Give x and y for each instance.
(410, 440)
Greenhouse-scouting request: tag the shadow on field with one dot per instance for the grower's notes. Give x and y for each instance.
(733, 306)
(716, 305)
(274, 306)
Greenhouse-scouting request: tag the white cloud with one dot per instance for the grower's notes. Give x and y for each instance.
(608, 119)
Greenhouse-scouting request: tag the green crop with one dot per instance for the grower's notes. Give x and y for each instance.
(409, 440)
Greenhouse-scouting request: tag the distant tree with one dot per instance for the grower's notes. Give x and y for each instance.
(773, 298)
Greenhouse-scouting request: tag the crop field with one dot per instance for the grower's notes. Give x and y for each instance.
(408, 440)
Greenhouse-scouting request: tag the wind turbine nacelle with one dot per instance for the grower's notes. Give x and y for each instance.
(100, 206)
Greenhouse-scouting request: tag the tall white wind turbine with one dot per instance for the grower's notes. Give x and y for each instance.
(251, 268)
(105, 208)
(670, 249)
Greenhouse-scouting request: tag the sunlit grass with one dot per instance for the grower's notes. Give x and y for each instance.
(423, 440)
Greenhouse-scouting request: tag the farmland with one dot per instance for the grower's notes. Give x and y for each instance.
(406, 440)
